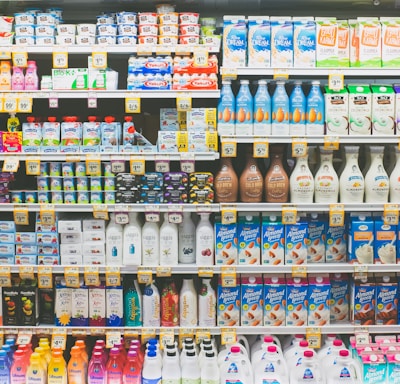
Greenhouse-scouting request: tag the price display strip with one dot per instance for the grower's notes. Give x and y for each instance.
(228, 148)
(175, 214)
(71, 275)
(137, 165)
(362, 336)
(391, 214)
(184, 102)
(91, 276)
(112, 338)
(5, 276)
(97, 332)
(129, 336)
(132, 103)
(299, 271)
(336, 215)
(229, 73)
(100, 211)
(113, 276)
(207, 272)
(187, 162)
(53, 102)
(122, 215)
(10, 104)
(45, 277)
(11, 164)
(26, 272)
(313, 336)
(59, 338)
(24, 337)
(21, 215)
(185, 333)
(360, 272)
(162, 164)
(260, 147)
(47, 214)
(202, 334)
(289, 214)
(93, 165)
(117, 165)
(152, 214)
(32, 166)
(60, 57)
(147, 334)
(331, 143)
(336, 81)
(163, 271)
(228, 336)
(281, 74)
(145, 275)
(72, 158)
(299, 147)
(228, 276)
(228, 214)
(79, 332)
(145, 49)
(167, 337)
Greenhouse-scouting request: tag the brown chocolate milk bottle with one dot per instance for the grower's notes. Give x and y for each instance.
(226, 183)
(251, 183)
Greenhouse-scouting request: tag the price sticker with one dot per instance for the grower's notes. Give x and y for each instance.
(26, 272)
(228, 276)
(20, 59)
(112, 338)
(299, 147)
(167, 337)
(163, 271)
(45, 277)
(93, 165)
(184, 102)
(145, 275)
(47, 214)
(100, 211)
(113, 276)
(152, 214)
(207, 272)
(175, 215)
(391, 214)
(182, 49)
(360, 272)
(5, 53)
(185, 333)
(132, 105)
(202, 334)
(117, 166)
(289, 215)
(78, 332)
(21, 216)
(362, 336)
(59, 339)
(24, 105)
(228, 336)
(97, 332)
(313, 336)
(200, 57)
(144, 49)
(60, 59)
(228, 214)
(32, 167)
(129, 336)
(71, 275)
(122, 217)
(162, 165)
(24, 337)
(72, 158)
(10, 104)
(281, 73)
(163, 50)
(53, 102)
(137, 166)
(99, 60)
(331, 143)
(5, 276)
(261, 148)
(228, 149)
(187, 162)
(11, 164)
(229, 73)
(336, 215)
(299, 271)
(147, 334)
(92, 100)
(91, 276)
(336, 81)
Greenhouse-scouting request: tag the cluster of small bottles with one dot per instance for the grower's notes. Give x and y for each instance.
(17, 81)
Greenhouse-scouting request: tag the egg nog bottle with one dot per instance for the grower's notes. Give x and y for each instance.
(244, 110)
(315, 124)
(301, 182)
(226, 110)
(262, 110)
(351, 181)
(394, 180)
(326, 179)
(298, 104)
(376, 179)
(280, 110)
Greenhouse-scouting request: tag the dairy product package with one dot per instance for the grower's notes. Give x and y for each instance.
(360, 109)
(383, 109)
(336, 111)
(259, 42)
(281, 42)
(370, 44)
(385, 242)
(361, 240)
(228, 305)
(327, 42)
(339, 303)
(386, 299)
(343, 43)
(274, 300)
(234, 41)
(252, 301)
(226, 243)
(249, 238)
(362, 307)
(304, 42)
(296, 243)
(354, 43)
(336, 244)
(316, 240)
(390, 41)
(319, 293)
(297, 301)
(272, 240)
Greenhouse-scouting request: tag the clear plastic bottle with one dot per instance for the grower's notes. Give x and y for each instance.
(31, 77)
(187, 240)
(280, 110)
(315, 124)
(301, 182)
(244, 110)
(376, 179)
(298, 105)
(326, 179)
(226, 110)
(262, 110)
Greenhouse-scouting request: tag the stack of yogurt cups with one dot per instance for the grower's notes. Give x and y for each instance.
(117, 28)
(6, 34)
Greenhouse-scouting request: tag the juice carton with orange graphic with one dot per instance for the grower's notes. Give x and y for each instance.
(297, 301)
(228, 305)
(386, 299)
(226, 252)
(319, 293)
(354, 43)
(390, 42)
(273, 240)
(369, 32)
(274, 300)
(339, 298)
(362, 310)
(343, 43)
(327, 42)
(296, 243)
(252, 300)
(249, 238)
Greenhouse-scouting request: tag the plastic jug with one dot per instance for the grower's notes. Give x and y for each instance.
(258, 355)
(307, 370)
(271, 368)
(345, 370)
(236, 368)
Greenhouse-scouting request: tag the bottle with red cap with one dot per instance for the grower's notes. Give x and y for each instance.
(345, 370)
(91, 134)
(31, 132)
(51, 132)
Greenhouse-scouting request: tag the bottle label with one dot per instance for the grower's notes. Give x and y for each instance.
(151, 381)
(190, 381)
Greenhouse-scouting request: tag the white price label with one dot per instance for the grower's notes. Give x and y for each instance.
(20, 59)
(113, 276)
(112, 338)
(92, 102)
(229, 149)
(24, 338)
(299, 147)
(24, 105)
(122, 218)
(167, 337)
(152, 217)
(336, 81)
(60, 59)
(5, 53)
(117, 166)
(175, 217)
(99, 60)
(53, 102)
(229, 73)
(261, 149)
(162, 165)
(11, 164)
(59, 339)
(10, 104)
(133, 105)
(145, 275)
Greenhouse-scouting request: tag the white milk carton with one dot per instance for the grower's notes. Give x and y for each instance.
(336, 111)
(383, 109)
(390, 42)
(259, 42)
(252, 300)
(281, 42)
(304, 42)
(327, 42)
(369, 32)
(360, 109)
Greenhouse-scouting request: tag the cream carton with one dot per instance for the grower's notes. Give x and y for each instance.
(370, 43)
(297, 301)
(252, 300)
(249, 237)
(259, 42)
(360, 109)
(316, 239)
(386, 299)
(385, 243)
(390, 42)
(319, 294)
(336, 111)
(228, 305)
(272, 240)
(234, 41)
(296, 243)
(327, 42)
(361, 240)
(226, 249)
(281, 42)
(354, 43)
(362, 309)
(383, 109)
(114, 306)
(304, 42)
(343, 43)
(336, 244)
(274, 300)
(339, 303)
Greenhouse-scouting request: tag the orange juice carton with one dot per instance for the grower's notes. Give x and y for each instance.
(234, 41)
(327, 42)
(319, 293)
(337, 111)
(252, 300)
(354, 43)
(370, 44)
(297, 301)
(385, 242)
(228, 305)
(383, 109)
(272, 240)
(249, 238)
(343, 43)
(360, 109)
(304, 42)
(373, 367)
(363, 296)
(259, 42)
(339, 298)
(274, 300)
(296, 243)
(316, 239)
(281, 42)
(226, 251)
(390, 41)
(386, 308)
(361, 240)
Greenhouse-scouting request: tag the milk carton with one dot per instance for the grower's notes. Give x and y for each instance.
(390, 42)
(362, 310)
(272, 240)
(339, 304)
(386, 299)
(252, 300)
(297, 299)
(370, 44)
(319, 293)
(361, 240)
(281, 42)
(396, 88)
(228, 305)
(360, 109)
(226, 249)
(383, 109)
(274, 300)
(316, 240)
(234, 41)
(249, 238)
(336, 244)
(304, 42)
(63, 304)
(354, 43)
(327, 42)
(393, 367)
(296, 243)
(259, 42)
(385, 243)
(343, 43)
(336, 111)
(373, 365)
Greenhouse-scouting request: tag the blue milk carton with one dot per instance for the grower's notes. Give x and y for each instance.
(386, 310)
(249, 238)
(281, 42)
(316, 239)
(296, 243)
(336, 244)
(319, 292)
(297, 301)
(259, 42)
(272, 240)
(274, 300)
(304, 42)
(234, 41)
(226, 250)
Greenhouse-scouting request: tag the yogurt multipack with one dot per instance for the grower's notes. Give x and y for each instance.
(274, 300)
(252, 300)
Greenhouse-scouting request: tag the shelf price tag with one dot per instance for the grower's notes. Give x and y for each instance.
(122, 216)
(229, 73)
(261, 148)
(78, 332)
(10, 104)
(187, 162)
(182, 49)
(32, 167)
(99, 60)
(132, 105)
(53, 102)
(228, 336)
(185, 333)
(391, 214)
(200, 57)
(92, 100)
(162, 164)
(167, 336)
(228, 214)
(117, 165)
(100, 211)
(5, 53)
(331, 143)
(60, 59)
(202, 334)
(91, 276)
(24, 337)
(289, 215)
(207, 272)
(299, 147)
(137, 165)
(24, 105)
(184, 102)
(113, 276)
(20, 59)
(11, 164)
(59, 338)
(45, 277)
(21, 216)
(145, 275)
(313, 336)
(1, 103)
(228, 149)
(130, 335)
(360, 271)
(93, 165)
(145, 49)
(26, 272)
(112, 338)
(228, 276)
(299, 271)
(71, 275)
(163, 271)
(175, 215)
(281, 74)
(336, 81)
(362, 336)
(5, 276)
(336, 215)
(152, 214)
(47, 214)
(147, 333)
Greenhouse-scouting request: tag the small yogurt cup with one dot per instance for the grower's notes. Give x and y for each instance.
(126, 40)
(24, 40)
(126, 18)
(25, 30)
(24, 18)
(148, 39)
(147, 18)
(168, 40)
(189, 29)
(6, 38)
(65, 39)
(168, 29)
(45, 30)
(66, 29)
(188, 18)
(127, 29)
(106, 39)
(169, 18)
(86, 29)
(189, 39)
(148, 29)
(105, 19)
(107, 30)
(46, 19)
(85, 40)
(45, 40)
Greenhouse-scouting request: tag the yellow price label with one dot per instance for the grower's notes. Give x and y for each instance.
(167, 337)
(261, 148)
(145, 275)
(299, 271)
(147, 334)
(91, 276)
(5, 53)
(202, 334)
(391, 214)
(26, 272)
(11, 164)
(45, 277)
(229, 73)
(21, 216)
(113, 276)
(93, 165)
(163, 271)
(100, 211)
(200, 57)
(228, 149)
(10, 105)
(281, 73)
(184, 102)
(59, 339)
(185, 333)
(289, 215)
(112, 338)
(331, 143)
(133, 105)
(336, 215)
(72, 158)
(228, 276)
(24, 105)
(207, 272)
(71, 275)
(20, 59)
(137, 166)
(99, 60)
(313, 336)
(228, 215)
(32, 167)
(1, 104)
(60, 59)
(5, 276)
(299, 147)
(228, 336)
(144, 49)
(47, 215)
(336, 81)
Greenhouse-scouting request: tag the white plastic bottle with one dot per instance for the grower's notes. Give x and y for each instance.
(168, 242)
(187, 240)
(271, 368)
(330, 358)
(151, 306)
(351, 181)
(394, 180)
(295, 355)
(114, 238)
(301, 182)
(204, 241)
(171, 369)
(209, 371)
(186, 348)
(376, 179)
(326, 179)
(191, 369)
(345, 370)
(171, 347)
(326, 348)
(259, 340)
(308, 371)
(290, 342)
(236, 368)
(150, 244)
(132, 241)
(258, 355)
(188, 304)
(151, 373)
(207, 304)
